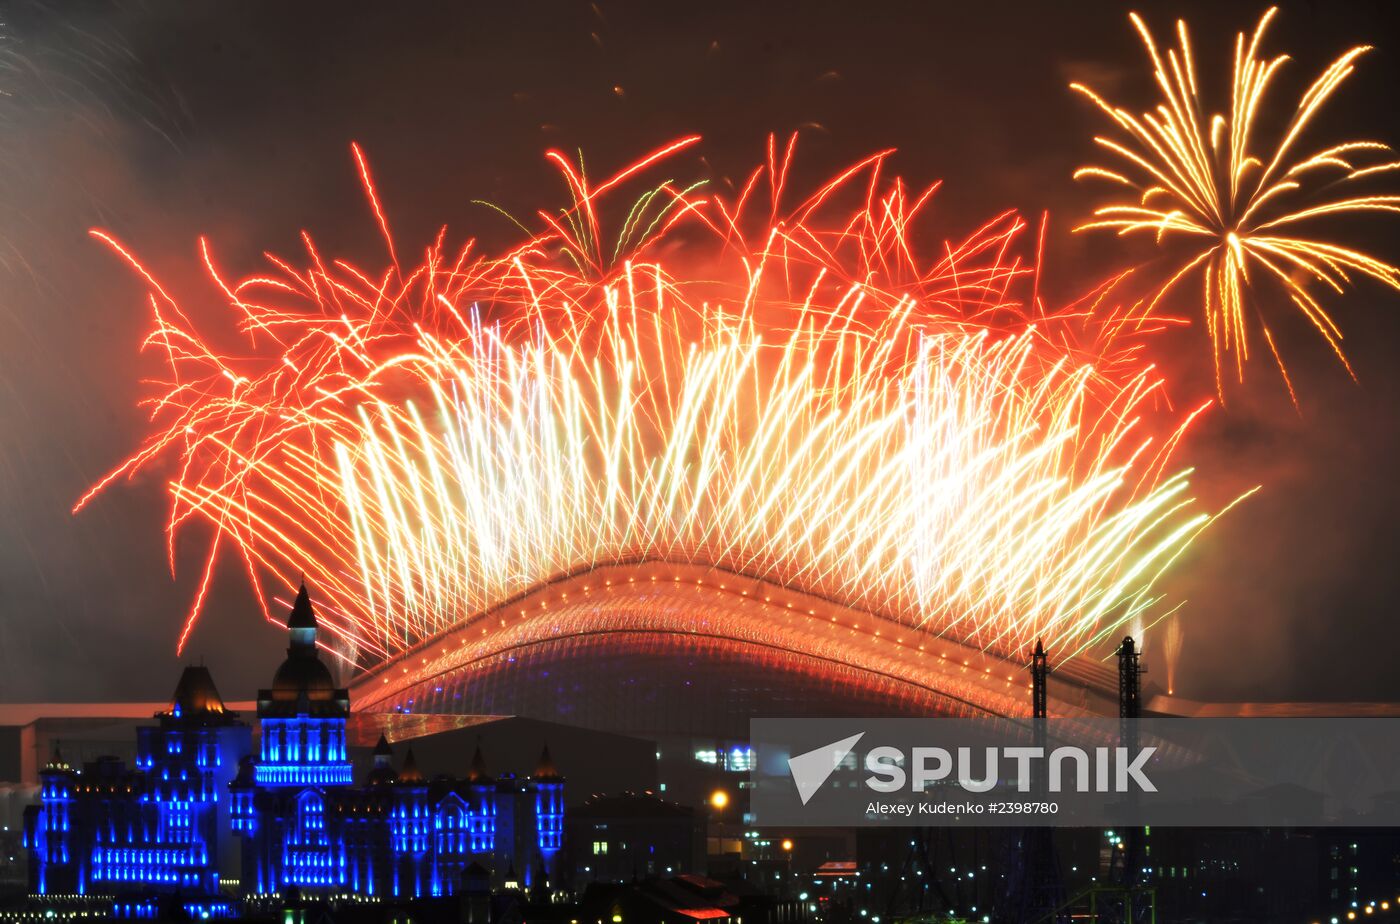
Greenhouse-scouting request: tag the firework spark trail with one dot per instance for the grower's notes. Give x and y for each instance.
(1241, 207)
(836, 413)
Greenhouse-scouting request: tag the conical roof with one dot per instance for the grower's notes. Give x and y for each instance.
(302, 616)
(546, 769)
(56, 761)
(382, 772)
(478, 772)
(196, 694)
(410, 772)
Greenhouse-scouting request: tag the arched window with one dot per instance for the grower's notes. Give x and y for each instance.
(311, 819)
(452, 826)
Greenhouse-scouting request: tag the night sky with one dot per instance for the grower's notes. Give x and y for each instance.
(165, 121)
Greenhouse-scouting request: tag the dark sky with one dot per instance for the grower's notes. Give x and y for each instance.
(166, 121)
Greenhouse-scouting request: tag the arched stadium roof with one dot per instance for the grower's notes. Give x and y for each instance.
(653, 644)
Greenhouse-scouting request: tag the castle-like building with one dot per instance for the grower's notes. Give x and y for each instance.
(160, 826)
(200, 811)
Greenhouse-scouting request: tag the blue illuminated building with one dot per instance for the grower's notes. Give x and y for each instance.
(203, 817)
(161, 827)
(400, 835)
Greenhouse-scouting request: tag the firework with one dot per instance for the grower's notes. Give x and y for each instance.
(1241, 207)
(811, 403)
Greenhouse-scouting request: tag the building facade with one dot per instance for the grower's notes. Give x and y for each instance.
(160, 827)
(202, 815)
(633, 836)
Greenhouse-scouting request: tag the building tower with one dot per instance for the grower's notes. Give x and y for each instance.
(411, 818)
(48, 831)
(381, 770)
(302, 716)
(549, 816)
(156, 828)
(189, 759)
(301, 764)
(481, 817)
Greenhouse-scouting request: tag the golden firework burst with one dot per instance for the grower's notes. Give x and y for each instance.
(1245, 208)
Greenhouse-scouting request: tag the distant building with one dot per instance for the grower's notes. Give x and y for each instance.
(597, 761)
(633, 836)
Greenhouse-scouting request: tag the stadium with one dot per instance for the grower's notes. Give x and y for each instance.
(655, 647)
(673, 650)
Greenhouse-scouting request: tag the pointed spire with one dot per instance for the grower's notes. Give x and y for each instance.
(546, 769)
(302, 615)
(410, 772)
(478, 772)
(382, 770)
(301, 626)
